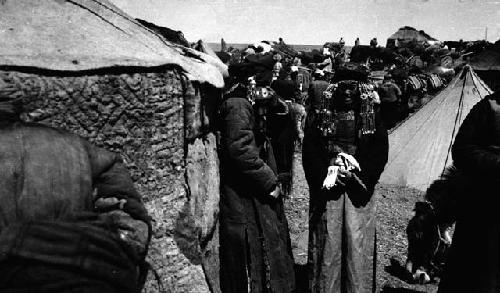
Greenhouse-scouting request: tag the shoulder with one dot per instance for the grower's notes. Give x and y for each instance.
(236, 102)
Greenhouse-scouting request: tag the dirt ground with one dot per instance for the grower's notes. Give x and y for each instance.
(394, 209)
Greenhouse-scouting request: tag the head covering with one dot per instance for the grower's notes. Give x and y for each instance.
(249, 51)
(284, 88)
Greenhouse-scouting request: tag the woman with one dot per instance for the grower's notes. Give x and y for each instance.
(345, 135)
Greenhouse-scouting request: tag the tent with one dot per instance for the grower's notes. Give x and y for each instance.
(407, 35)
(419, 148)
(98, 35)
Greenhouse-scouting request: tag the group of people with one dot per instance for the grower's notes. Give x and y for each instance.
(345, 148)
(344, 151)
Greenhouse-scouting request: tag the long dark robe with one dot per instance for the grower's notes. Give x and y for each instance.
(51, 239)
(342, 241)
(255, 242)
(473, 263)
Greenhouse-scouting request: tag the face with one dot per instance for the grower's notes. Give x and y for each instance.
(346, 95)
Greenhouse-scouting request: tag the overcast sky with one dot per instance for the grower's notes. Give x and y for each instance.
(317, 21)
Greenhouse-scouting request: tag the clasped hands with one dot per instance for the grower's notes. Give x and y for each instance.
(341, 171)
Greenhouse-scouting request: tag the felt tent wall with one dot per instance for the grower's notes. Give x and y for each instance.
(419, 148)
(84, 35)
(89, 68)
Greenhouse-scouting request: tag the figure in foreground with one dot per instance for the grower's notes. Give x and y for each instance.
(476, 240)
(344, 152)
(70, 217)
(255, 244)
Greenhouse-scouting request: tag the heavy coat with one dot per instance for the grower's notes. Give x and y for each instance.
(255, 244)
(51, 237)
(473, 264)
(342, 254)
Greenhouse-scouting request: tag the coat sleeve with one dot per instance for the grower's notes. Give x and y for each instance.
(372, 154)
(239, 143)
(111, 178)
(470, 151)
(315, 158)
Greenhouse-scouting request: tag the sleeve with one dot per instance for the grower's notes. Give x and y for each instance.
(470, 150)
(315, 160)
(111, 179)
(372, 154)
(398, 90)
(239, 143)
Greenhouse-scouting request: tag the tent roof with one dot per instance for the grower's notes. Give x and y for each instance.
(74, 35)
(409, 33)
(419, 148)
(488, 59)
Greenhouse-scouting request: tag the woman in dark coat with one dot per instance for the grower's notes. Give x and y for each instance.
(473, 263)
(342, 244)
(255, 245)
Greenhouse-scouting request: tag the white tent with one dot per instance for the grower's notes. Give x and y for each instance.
(419, 148)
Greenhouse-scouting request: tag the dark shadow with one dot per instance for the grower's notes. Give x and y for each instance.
(398, 290)
(186, 235)
(397, 270)
(301, 278)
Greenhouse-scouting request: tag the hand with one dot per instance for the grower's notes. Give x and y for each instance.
(105, 204)
(345, 174)
(285, 182)
(276, 192)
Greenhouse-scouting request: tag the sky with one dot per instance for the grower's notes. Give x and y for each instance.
(315, 22)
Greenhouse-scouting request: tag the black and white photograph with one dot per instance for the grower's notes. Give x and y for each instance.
(249, 146)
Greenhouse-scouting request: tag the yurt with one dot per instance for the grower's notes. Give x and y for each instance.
(88, 67)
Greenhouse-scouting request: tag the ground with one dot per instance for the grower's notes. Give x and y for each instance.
(394, 209)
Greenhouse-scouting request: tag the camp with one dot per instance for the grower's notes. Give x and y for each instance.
(246, 145)
(420, 146)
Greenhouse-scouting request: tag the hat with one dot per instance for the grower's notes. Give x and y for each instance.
(250, 51)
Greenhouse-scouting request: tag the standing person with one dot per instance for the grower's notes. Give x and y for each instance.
(278, 66)
(70, 219)
(476, 240)
(390, 97)
(356, 42)
(255, 246)
(373, 43)
(346, 136)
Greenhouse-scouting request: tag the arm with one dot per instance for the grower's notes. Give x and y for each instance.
(398, 90)
(372, 154)
(111, 179)
(315, 158)
(117, 200)
(241, 148)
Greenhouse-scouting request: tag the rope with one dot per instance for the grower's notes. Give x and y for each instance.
(457, 118)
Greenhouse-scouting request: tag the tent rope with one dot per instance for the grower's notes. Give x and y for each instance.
(457, 118)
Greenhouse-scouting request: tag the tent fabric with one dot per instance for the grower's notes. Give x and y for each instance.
(75, 35)
(420, 147)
